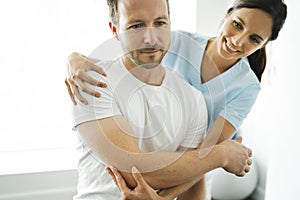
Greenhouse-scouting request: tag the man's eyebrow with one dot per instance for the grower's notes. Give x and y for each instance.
(162, 17)
(135, 21)
(256, 35)
(139, 20)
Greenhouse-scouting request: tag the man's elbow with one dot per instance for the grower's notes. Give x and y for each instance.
(153, 181)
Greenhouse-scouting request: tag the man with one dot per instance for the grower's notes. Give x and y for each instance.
(146, 108)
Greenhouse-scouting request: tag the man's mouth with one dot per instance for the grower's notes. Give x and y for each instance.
(149, 50)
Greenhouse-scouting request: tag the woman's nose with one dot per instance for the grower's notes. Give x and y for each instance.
(238, 39)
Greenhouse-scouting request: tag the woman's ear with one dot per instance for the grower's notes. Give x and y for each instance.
(113, 30)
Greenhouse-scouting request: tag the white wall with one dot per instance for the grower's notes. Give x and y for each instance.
(271, 127)
(283, 171)
(210, 14)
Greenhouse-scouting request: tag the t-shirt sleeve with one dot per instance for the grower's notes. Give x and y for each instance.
(197, 122)
(239, 107)
(97, 108)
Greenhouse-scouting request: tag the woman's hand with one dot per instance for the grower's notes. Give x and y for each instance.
(141, 192)
(78, 65)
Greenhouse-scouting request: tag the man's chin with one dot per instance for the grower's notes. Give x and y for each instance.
(149, 65)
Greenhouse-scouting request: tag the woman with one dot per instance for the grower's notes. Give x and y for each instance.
(227, 68)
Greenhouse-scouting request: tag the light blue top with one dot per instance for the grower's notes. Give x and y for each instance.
(230, 94)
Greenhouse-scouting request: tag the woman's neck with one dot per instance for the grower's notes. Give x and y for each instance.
(212, 63)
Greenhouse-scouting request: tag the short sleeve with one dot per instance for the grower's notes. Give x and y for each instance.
(97, 108)
(238, 108)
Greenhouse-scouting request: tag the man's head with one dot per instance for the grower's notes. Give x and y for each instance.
(114, 14)
(143, 28)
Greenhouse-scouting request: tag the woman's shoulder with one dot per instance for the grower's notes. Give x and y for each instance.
(180, 35)
(183, 42)
(242, 72)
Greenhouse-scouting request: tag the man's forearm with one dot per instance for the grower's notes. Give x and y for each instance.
(183, 168)
(188, 190)
(160, 169)
(196, 192)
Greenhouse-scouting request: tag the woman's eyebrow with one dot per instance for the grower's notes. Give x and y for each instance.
(256, 35)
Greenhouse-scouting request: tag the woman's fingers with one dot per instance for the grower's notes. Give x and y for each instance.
(120, 181)
(138, 178)
(70, 92)
(97, 69)
(109, 171)
(78, 66)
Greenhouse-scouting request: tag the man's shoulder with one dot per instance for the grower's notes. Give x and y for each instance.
(110, 67)
(106, 64)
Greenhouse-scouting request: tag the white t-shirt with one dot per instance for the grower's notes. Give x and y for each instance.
(163, 118)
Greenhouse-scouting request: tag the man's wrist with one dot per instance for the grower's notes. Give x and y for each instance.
(219, 151)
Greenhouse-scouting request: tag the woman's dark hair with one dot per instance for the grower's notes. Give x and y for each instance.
(277, 10)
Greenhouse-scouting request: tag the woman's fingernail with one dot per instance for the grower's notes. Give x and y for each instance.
(134, 170)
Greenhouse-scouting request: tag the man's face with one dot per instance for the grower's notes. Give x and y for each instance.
(144, 31)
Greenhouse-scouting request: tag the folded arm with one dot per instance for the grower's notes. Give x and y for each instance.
(160, 169)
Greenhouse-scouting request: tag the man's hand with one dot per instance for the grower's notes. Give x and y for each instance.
(237, 157)
(78, 65)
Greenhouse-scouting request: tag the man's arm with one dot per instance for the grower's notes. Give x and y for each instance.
(220, 131)
(113, 141)
(195, 192)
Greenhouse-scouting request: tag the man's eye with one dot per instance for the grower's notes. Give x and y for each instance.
(237, 25)
(136, 26)
(160, 23)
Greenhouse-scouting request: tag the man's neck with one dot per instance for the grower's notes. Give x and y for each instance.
(151, 76)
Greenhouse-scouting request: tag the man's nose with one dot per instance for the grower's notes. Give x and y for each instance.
(150, 36)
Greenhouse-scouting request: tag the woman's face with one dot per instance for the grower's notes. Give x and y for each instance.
(243, 32)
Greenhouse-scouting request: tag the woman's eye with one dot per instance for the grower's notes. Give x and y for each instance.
(237, 25)
(254, 39)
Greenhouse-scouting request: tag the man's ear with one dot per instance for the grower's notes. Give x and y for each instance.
(113, 30)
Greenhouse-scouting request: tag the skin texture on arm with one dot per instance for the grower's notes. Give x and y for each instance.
(160, 169)
(219, 132)
(144, 191)
(194, 189)
(196, 192)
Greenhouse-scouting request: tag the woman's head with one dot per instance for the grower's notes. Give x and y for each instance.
(248, 26)
(277, 10)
